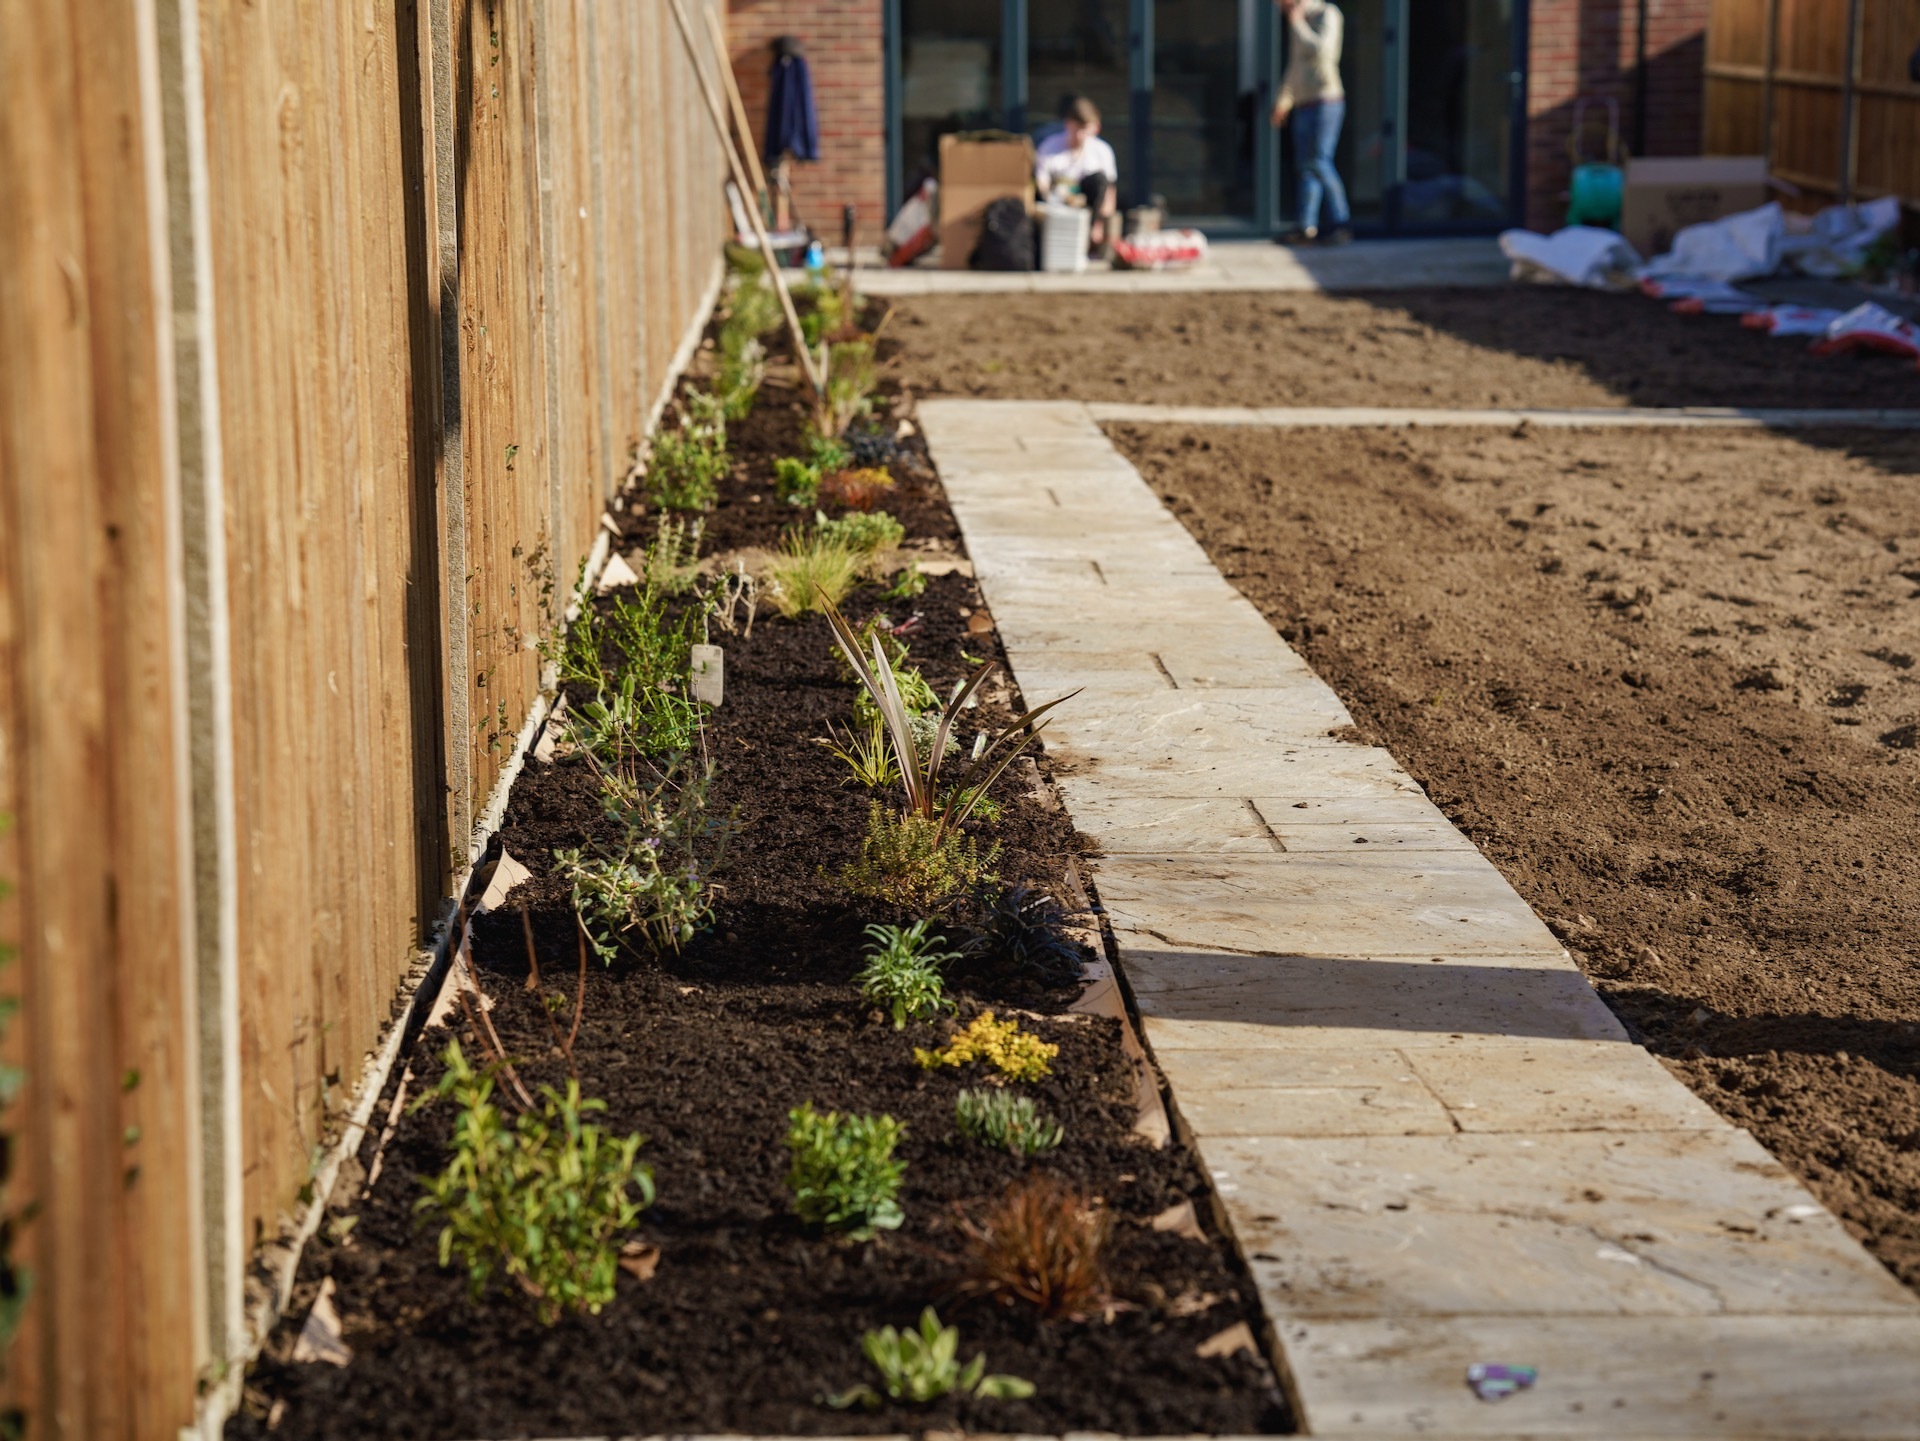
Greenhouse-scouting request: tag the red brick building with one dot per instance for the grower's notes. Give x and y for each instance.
(1459, 111)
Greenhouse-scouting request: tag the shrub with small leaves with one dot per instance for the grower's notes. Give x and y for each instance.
(795, 482)
(902, 973)
(868, 531)
(842, 1173)
(690, 459)
(910, 861)
(828, 453)
(921, 1366)
(544, 1200)
(1019, 1055)
(656, 883)
(1006, 1122)
(1025, 930)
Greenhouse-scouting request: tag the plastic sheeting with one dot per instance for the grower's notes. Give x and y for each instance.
(1579, 255)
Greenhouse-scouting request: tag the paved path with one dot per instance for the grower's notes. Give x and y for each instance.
(1233, 265)
(1432, 1140)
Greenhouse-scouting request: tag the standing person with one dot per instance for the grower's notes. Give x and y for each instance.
(1077, 158)
(1312, 94)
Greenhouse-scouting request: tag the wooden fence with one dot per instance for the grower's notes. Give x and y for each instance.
(1820, 88)
(326, 331)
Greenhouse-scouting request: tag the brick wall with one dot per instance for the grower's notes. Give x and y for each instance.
(1579, 47)
(1586, 47)
(846, 53)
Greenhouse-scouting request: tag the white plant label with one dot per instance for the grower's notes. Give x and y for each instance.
(709, 674)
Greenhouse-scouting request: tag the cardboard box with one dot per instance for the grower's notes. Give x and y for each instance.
(975, 171)
(1664, 194)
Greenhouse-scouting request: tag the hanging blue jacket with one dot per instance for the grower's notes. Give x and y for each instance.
(792, 126)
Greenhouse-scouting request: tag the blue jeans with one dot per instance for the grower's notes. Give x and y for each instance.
(1316, 131)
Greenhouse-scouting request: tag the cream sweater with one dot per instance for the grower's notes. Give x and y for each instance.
(1313, 55)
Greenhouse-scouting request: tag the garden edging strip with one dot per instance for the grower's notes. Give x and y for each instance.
(1427, 1165)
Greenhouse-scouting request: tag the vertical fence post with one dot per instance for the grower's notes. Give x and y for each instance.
(1771, 61)
(450, 466)
(203, 565)
(1850, 107)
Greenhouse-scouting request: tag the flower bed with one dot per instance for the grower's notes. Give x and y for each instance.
(729, 1311)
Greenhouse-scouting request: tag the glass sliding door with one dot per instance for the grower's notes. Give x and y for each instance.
(1205, 90)
(1458, 140)
(950, 73)
(1433, 102)
(1081, 47)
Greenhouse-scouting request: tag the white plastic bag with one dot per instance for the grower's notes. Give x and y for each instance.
(1738, 247)
(1579, 255)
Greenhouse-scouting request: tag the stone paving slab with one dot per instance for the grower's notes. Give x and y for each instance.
(1197, 1000)
(1782, 1378)
(1431, 1138)
(1390, 903)
(1696, 1222)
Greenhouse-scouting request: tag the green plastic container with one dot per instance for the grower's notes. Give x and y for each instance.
(1595, 195)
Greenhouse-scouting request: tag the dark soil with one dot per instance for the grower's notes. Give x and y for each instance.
(1667, 683)
(1517, 346)
(749, 1317)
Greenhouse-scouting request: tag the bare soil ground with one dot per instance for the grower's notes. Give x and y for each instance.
(1518, 346)
(1670, 683)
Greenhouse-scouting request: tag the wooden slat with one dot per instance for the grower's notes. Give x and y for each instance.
(1807, 84)
(89, 740)
(588, 226)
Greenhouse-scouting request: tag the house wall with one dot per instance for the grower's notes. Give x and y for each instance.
(845, 45)
(1577, 48)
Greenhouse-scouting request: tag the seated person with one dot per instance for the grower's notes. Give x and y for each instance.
(1077, 159)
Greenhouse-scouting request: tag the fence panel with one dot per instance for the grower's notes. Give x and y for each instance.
(1835, 114)
(103, 1138)
(406, 446)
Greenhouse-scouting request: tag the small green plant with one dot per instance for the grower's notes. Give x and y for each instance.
(909, 583)
(795, 482)
(921, 1366)
(869, 532)
(655, 883)
(848, 392)
(737, 381)
(544, 1200)
(1025, 930)
(633, 719)
(828, 453)
(671, 562)
(690, 460)
(865, 752)
(920, 760)
(822, 311)
(1006, 1122)
(909, 860)
(1016, 1054)
(808, 568)
(902, 973)
(753, 311)
(842, 1172)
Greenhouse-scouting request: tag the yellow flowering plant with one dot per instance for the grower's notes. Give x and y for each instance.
(1018, 1055)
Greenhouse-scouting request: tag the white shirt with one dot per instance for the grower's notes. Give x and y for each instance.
(1316, 30)
(1055, 164)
